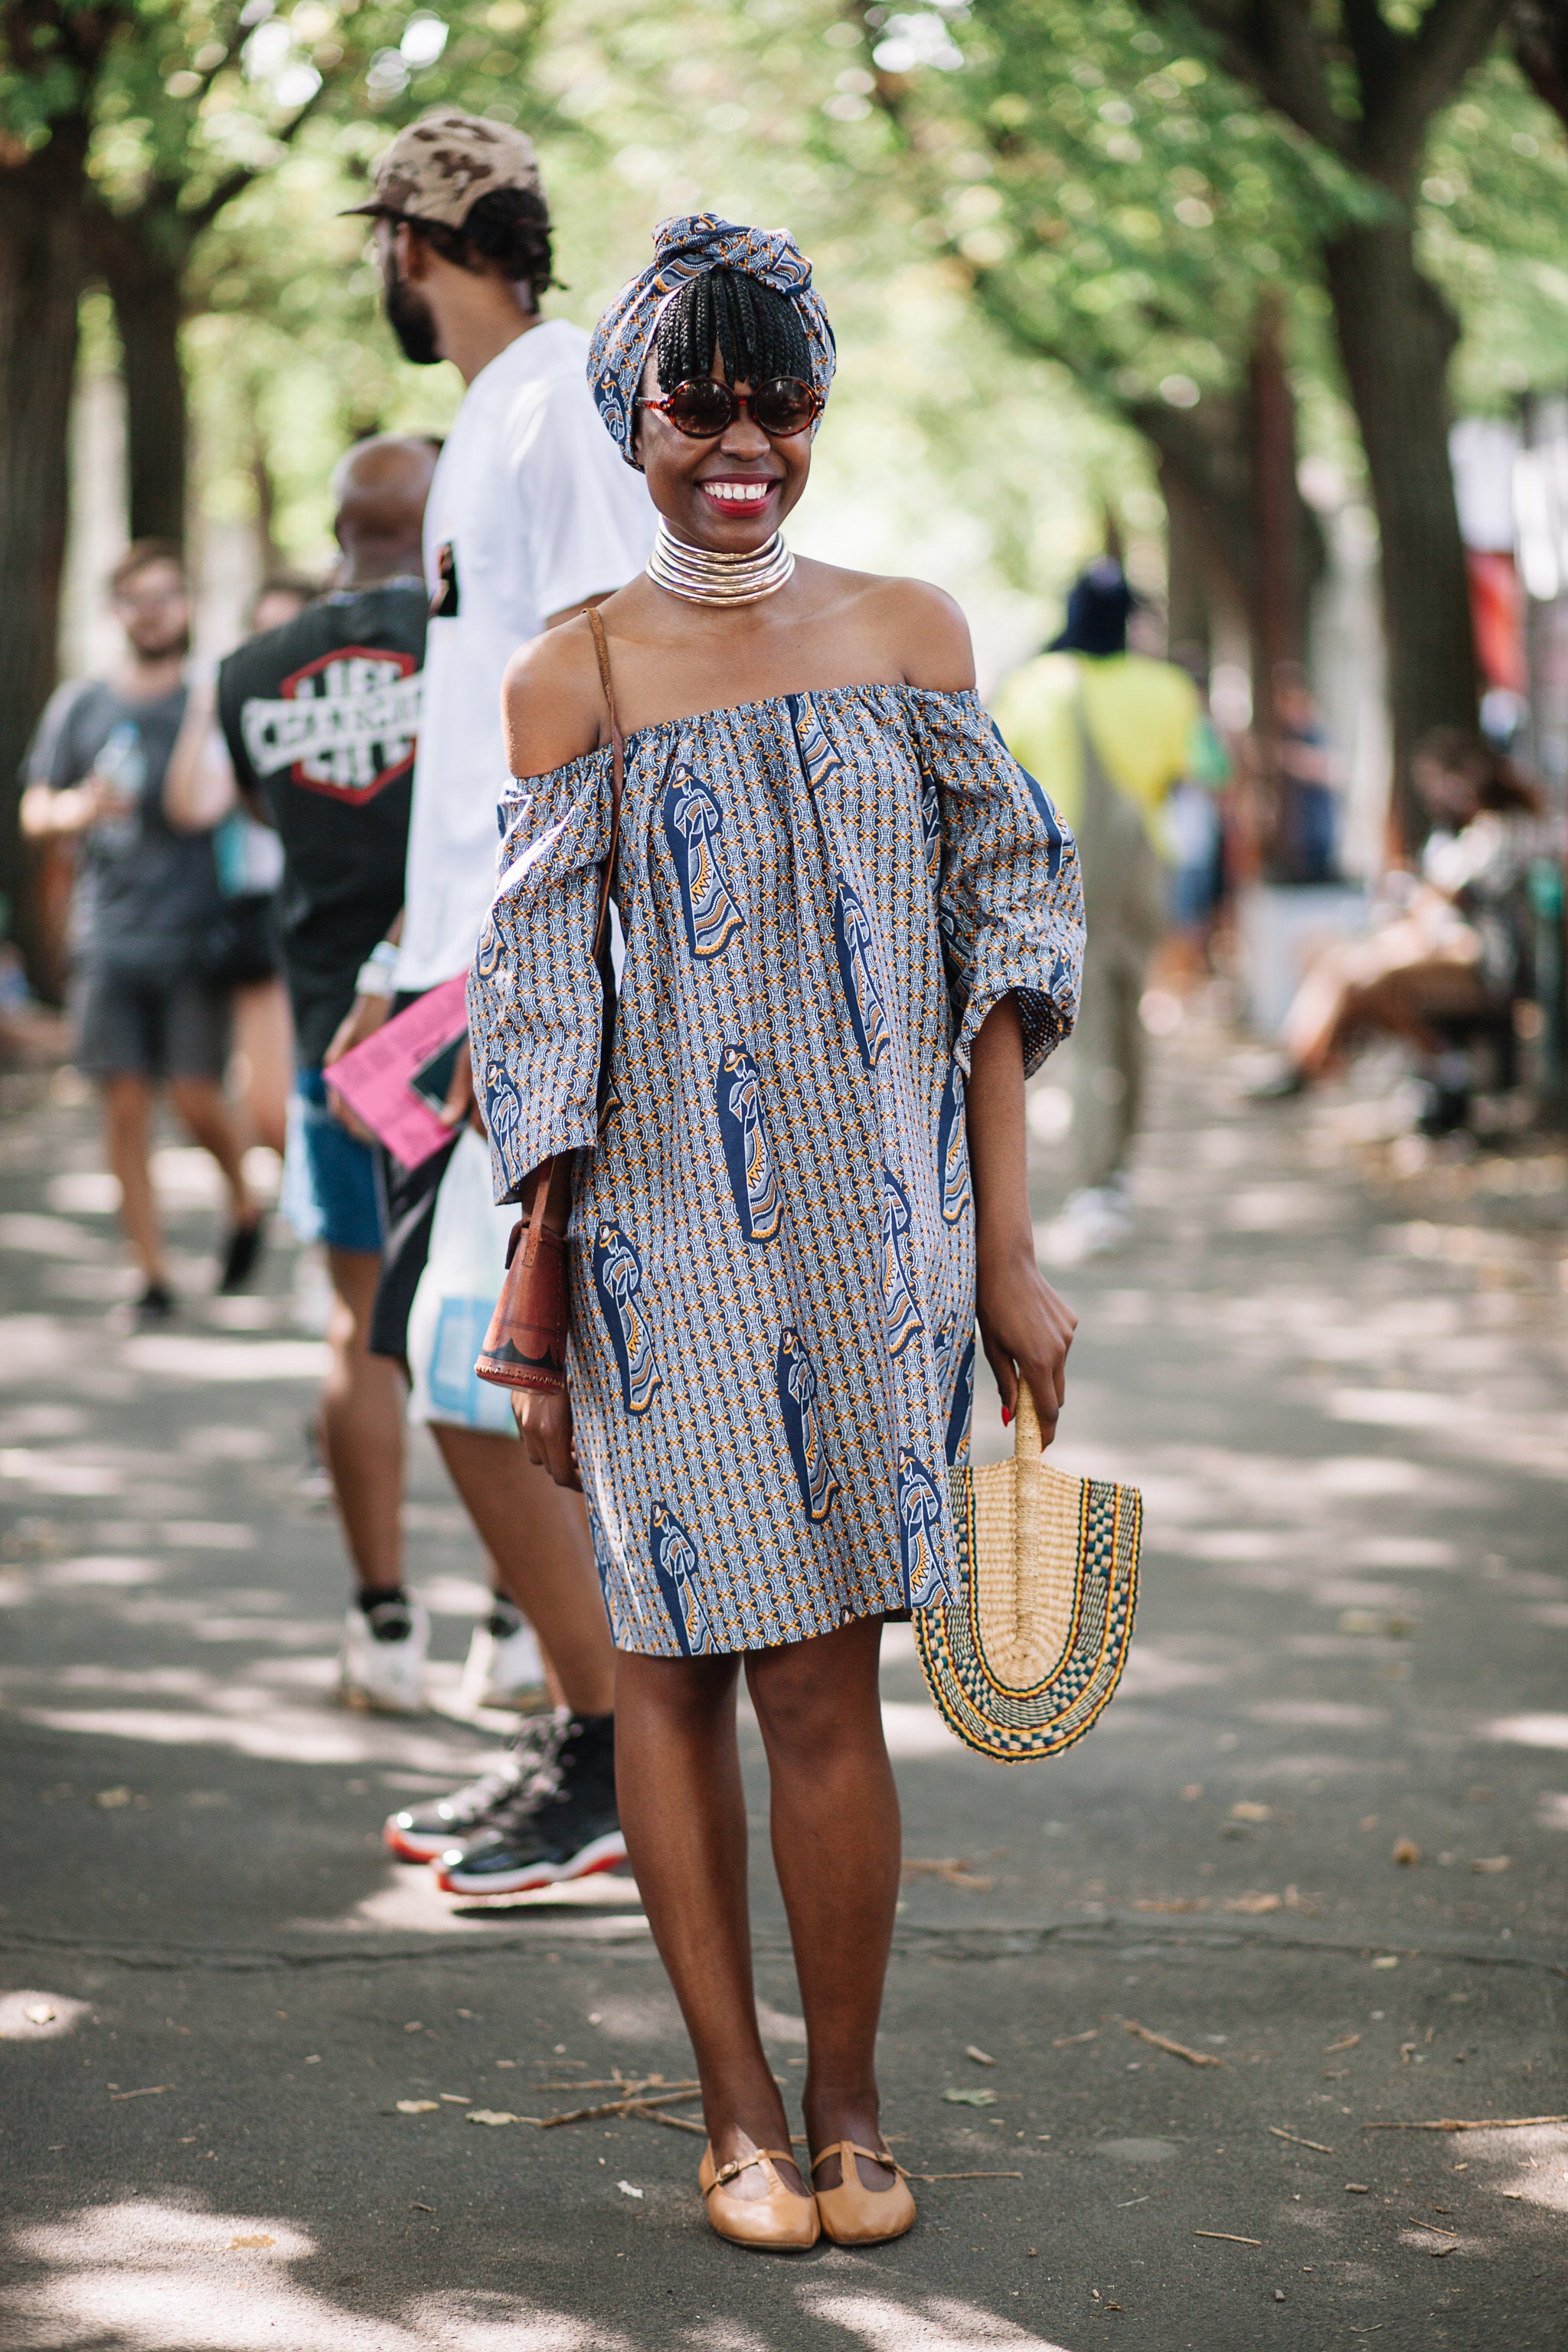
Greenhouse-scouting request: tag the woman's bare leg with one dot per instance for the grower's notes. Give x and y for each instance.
(264, 1038)
(201, 1106)
(1342, 990)
(128, 1127)
(836, 1849)
(360, 1416)
(836, 1845)
(678, 1776)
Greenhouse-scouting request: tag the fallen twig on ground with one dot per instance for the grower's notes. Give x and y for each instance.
(152, 2092)
(1177, 2048)
(616, 2107)
(964, 2176)
(677, 2122)
(622, 2083)
(1297, 2140)
(1229, 2236)
(953, 1870)
(1436, 2227)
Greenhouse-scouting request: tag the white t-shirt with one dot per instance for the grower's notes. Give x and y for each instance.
(539, 511)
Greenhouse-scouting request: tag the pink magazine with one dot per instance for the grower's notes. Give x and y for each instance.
(374, 1080)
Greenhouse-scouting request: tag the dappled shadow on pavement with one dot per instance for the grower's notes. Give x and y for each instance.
(1341, 1388)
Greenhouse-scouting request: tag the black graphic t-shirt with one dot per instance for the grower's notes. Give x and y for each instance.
(320, 718)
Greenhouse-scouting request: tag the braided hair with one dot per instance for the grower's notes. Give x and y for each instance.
(756, 331)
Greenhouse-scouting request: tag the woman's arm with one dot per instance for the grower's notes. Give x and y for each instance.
(199, 789)
(544, 1417)
(1025, 1328)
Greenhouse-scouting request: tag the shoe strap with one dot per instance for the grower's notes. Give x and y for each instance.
(843, 2148)
(744, 2163)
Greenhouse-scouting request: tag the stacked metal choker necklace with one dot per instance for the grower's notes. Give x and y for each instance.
(703, 577)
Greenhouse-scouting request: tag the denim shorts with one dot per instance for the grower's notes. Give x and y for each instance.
(329, 1175)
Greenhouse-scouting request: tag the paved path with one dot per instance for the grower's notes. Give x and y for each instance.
(1339, 1375)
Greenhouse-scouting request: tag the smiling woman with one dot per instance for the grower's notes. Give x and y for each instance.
(778, 1180)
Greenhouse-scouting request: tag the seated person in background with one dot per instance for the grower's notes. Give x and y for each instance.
(1453, 944)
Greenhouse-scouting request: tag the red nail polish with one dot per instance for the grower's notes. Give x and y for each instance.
(1007, 1416)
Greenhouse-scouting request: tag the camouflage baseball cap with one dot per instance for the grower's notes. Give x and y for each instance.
(439, 167)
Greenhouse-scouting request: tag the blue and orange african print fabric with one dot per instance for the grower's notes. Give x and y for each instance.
(772, 1243)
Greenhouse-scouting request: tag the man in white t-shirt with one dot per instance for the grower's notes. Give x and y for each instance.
(531, 515)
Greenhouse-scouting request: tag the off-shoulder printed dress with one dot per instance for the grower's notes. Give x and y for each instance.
(772, 1242)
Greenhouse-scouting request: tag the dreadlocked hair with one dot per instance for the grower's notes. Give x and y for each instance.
(755, 330)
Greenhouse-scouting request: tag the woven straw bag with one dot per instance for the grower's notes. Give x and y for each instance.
(1022, 1662)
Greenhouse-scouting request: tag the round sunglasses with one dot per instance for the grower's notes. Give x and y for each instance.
(704, 406)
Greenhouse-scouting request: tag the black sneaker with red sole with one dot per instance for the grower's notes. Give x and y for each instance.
(564, 1826)
(420, 1833)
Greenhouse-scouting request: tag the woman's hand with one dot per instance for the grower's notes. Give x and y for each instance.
(1026, 1329)
(544, 1425)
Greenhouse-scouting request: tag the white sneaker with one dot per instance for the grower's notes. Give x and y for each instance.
(381, 1664)
(505, 1670)
(1093, 1222)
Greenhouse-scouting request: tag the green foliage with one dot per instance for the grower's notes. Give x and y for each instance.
(1122, 204)
(639, 114)
(1009, 207)
(1494, 198)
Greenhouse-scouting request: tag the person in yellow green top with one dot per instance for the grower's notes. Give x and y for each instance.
(1112, 733)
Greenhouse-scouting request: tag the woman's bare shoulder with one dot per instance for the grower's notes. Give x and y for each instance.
(919, 629)
(552, 701)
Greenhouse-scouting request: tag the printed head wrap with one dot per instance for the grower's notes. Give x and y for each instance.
(685, 248)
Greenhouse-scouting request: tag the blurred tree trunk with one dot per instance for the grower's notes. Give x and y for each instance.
(1240, 533)
(148, 308)
(1189, 587)
(263, 483)
(41, 267)
(1538, 29)
(1366, 87)
(143, 258)
(1396, 333)
(1278, 608)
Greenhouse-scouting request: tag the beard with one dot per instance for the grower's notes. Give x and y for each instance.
(175, 644)
(408, 316)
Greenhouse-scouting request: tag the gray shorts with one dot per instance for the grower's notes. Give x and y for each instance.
(134, 1025)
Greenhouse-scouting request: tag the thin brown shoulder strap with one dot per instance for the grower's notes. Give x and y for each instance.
(601, 647)
(617, 773)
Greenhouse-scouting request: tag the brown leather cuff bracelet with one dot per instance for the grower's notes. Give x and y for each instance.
(525, 1347)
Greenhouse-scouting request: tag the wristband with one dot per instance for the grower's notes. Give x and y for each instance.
(377, 975)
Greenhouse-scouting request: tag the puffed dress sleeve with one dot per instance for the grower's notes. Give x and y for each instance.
(1009, 895)
(535, 1006)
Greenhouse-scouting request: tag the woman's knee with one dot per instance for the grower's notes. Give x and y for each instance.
(810, 1703)
(672, 1691)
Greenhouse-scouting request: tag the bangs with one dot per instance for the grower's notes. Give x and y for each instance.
(756, 331)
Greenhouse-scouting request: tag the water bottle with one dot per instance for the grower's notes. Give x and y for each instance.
(122, 763)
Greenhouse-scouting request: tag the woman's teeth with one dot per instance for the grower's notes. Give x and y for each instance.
(738, 494)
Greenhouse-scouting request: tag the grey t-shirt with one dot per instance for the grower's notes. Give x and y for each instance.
(144, 895)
